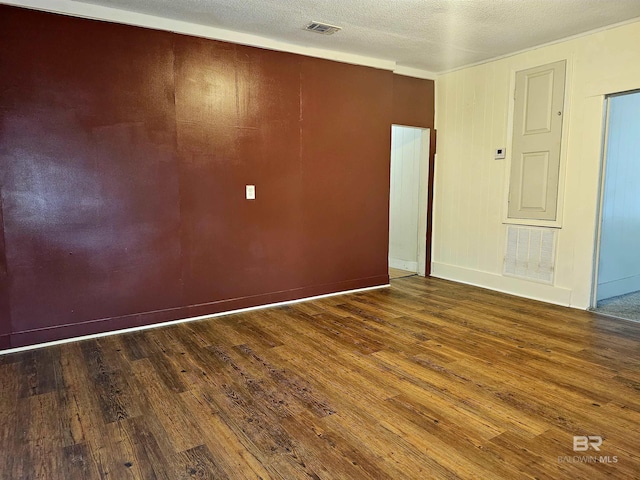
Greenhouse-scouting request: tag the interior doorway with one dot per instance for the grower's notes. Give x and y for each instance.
(408, 202)
(617, 281)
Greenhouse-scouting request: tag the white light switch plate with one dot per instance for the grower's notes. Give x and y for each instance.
(251, 192)
(500, 154)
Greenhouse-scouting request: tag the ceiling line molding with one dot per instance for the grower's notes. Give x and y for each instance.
(543, 45)
(415, 72)
(98, 12)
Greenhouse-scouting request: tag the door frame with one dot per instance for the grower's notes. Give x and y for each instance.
(425, 198)
(598, 234)
(601, 184)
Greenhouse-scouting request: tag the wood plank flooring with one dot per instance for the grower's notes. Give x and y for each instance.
(426, 379)
(397, 273)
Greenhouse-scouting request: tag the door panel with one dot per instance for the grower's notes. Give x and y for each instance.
(533, 182)
(538, 102)
(535, 163)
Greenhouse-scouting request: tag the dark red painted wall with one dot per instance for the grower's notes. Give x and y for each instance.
(413, 101)
(413, 105)
(124, 153)
(5, 319)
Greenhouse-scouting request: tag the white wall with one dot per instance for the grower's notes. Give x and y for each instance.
(619, 268)
(473, 116)
(406, 149)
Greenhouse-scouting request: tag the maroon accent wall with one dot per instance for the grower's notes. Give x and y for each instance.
(5, 323)
(124, 153)
(413, 101)
(413, 105)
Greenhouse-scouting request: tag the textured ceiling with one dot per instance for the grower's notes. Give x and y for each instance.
(433, 35)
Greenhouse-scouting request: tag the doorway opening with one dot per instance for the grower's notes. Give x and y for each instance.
(408, 202)
(616, 289)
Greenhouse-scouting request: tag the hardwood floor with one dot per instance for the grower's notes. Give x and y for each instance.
(397, 273)
(426, 379)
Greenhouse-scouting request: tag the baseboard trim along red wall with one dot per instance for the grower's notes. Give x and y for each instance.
(124, 157)
(40, 341)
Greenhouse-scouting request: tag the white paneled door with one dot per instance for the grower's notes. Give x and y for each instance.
(537, 129)
(408, 198)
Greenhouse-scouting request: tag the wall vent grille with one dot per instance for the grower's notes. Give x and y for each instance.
(322, 28)
(530, 253)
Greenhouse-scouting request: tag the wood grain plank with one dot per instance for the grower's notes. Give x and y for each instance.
(77, 462)
(426, 379)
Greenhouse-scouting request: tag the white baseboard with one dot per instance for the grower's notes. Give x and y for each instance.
(618, 287)
(499, 283)
(403, 265)
(183, 320)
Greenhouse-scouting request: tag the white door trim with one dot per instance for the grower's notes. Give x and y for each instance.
(598, 233)
(419, 266)
(423, 206)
